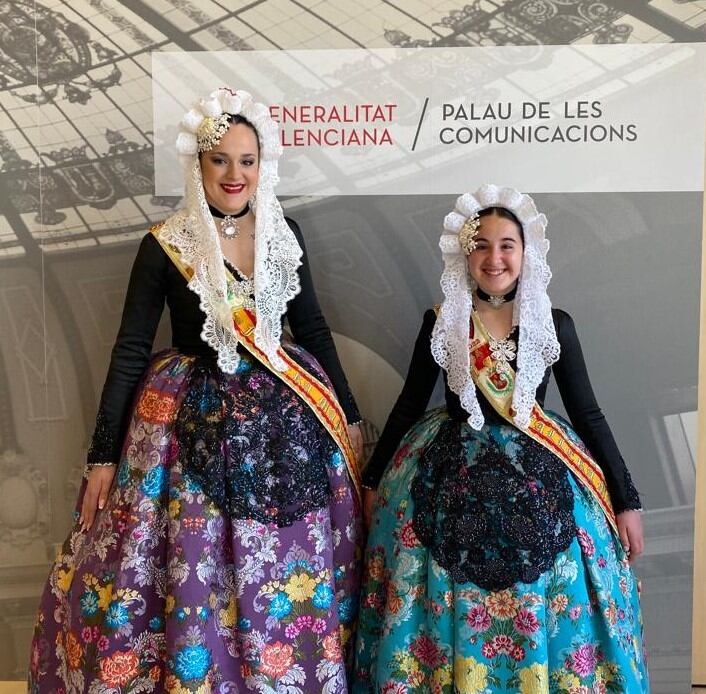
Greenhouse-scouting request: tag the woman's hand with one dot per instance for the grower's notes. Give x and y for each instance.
(630, 531)
(100, 478)
(369, 498)
(355, 434)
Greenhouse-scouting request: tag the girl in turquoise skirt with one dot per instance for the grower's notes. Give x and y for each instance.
(501, 537)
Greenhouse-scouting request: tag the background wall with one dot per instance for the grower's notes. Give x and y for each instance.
(76, 196)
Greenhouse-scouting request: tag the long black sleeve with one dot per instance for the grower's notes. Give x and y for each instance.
(154, 278)
(586, 416)
(576, 393)
(410, 406)
(144, 303)
(311, 331)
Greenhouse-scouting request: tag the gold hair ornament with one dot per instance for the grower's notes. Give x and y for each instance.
(468, 233)
(211, 131)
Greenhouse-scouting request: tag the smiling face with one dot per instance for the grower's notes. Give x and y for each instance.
(230, 170)
(496, 262)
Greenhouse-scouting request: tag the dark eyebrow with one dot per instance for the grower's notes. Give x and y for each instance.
(225, 154)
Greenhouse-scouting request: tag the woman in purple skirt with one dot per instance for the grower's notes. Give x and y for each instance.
(216, 546)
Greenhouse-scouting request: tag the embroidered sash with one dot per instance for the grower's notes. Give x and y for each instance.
(496, 381)
(317, 396)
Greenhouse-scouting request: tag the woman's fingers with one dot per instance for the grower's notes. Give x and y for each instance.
(100, 479)
(624, 540)
(630, 532)
(103, 494)
(90, 501)
(637, 543)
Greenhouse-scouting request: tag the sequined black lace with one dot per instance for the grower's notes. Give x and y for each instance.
(492, 510)
(629, 500)
(252, 445)
(103, 449)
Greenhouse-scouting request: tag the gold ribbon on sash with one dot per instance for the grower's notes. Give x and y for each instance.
(496, 381)
(317, 396)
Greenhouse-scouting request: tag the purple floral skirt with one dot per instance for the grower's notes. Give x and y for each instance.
(176, 587)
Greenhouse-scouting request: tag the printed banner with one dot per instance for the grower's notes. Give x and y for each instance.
(444, 120)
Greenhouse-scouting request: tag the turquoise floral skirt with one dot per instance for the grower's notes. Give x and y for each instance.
(576, 628)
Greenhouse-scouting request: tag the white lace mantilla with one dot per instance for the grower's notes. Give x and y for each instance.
(193, 233)
(532, 310)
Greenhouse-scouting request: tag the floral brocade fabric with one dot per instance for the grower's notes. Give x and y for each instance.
(490, 510)
(169, 592)
(574, 629)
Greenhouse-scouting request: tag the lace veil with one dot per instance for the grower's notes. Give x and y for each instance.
(193, 232)
(538, 344)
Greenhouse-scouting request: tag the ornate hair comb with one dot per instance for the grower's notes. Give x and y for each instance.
(468, 233)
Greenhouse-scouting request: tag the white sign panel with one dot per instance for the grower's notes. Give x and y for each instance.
(445, 120)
